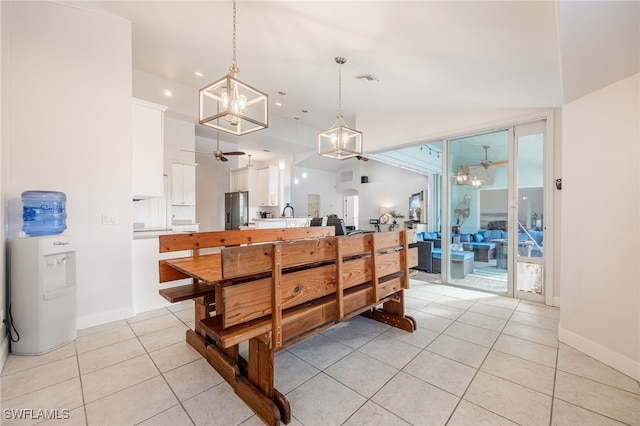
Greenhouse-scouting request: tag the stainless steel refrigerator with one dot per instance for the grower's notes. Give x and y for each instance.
(236, 209)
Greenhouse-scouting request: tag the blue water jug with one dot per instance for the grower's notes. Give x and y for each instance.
(43, 213)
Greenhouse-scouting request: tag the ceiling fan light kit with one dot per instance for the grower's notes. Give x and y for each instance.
(478, 174)
(340, 141)
(486, 163)
(231, 105)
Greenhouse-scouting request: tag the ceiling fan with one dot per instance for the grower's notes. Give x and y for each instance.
(487, 163)
(361, 158)
(217, 153)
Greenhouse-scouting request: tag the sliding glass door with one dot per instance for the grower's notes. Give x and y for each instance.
(479, 211)
(494, 226)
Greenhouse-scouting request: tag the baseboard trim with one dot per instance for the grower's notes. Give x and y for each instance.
(103, 317)
(603, 354)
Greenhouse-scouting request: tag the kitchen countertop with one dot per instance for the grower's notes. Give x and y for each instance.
(281, 222)
(176, 228)
(280, 218)
(154, 233)
(151, 233)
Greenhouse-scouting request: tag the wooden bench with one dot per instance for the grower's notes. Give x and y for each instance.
(281, 291)
(201, 289)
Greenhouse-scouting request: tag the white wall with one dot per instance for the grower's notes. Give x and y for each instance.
(66, 121)
(601, 187)
(212, 181)
(317, 182)
(388, 187)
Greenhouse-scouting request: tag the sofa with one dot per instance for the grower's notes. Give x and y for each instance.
(483, 242)
(430, 257)
(495, 235)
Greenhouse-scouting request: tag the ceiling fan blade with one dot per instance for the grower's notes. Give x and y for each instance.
(234, 153)
(499, 163)
(222, 158)
(360, 157)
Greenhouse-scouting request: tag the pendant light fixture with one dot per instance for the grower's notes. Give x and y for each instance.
(231, 105)
(340, 141)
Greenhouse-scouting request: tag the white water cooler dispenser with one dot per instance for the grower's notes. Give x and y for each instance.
(42, 293)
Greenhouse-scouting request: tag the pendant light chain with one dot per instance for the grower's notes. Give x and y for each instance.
(234, 62)
(340, 90)
(340, 60)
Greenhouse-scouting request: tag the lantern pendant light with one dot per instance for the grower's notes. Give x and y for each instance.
(340, 141)
(231, 105)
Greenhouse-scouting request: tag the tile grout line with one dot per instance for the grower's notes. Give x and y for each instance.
(553, 390)
(168, 384)
(84, 402)
(478, 370)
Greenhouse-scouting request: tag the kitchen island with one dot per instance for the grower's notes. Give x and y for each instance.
(282, 222)
(145, 257)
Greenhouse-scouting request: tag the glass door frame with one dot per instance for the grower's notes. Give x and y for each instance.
(513, 214)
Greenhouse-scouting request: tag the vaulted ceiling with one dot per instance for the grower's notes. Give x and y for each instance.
(422, 55)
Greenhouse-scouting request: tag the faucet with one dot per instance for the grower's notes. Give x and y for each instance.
(288, 206)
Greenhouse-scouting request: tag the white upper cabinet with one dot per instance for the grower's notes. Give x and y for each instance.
(147, 121)
(244, 179)
(183, 184)
(268, 186)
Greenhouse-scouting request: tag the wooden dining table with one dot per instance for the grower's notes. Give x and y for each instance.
(280, 288)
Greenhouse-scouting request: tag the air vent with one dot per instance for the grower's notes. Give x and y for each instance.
(346, 176)
(368, 77)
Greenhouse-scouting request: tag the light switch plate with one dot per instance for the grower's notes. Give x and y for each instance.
(109, 219)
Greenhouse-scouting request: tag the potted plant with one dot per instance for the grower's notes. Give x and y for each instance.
(395, 215)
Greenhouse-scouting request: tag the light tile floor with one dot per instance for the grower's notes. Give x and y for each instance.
(476, 359)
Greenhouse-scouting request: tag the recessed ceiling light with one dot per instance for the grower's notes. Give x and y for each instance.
(305, 111)
(199, 74)
(168, 93)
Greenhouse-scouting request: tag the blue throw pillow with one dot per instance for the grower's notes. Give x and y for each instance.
(478, 238)
(494, 234)
(465, 238)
